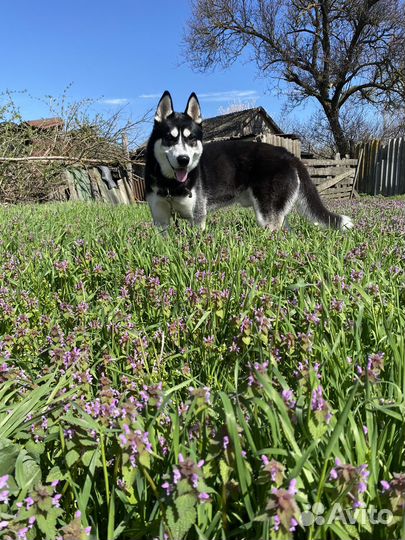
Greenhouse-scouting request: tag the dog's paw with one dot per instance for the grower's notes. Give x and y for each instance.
(346, 223)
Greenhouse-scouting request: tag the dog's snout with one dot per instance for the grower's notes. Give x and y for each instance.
(183, 161)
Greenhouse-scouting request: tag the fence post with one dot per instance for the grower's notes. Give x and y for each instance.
(128, 168)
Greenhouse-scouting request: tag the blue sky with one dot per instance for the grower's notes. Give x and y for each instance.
(120, 53)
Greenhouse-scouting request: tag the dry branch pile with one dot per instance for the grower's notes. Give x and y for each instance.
(34, 154)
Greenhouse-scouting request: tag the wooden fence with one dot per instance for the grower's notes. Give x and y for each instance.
(87, 184)
(292, 145)
(382, 167)
(333, 178)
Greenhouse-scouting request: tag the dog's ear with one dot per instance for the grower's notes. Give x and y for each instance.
(193, 109)
(165, 107)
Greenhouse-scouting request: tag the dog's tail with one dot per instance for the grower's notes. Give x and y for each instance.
(310, 205)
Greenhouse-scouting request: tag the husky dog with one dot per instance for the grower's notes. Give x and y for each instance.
(183, 177)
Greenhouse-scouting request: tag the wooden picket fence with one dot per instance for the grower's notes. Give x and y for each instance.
(293, 145)
(382, 167)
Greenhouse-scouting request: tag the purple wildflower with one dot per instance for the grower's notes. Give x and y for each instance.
(61, 266)
(348, 476)
(275, 469)
(209, 341)
(289, 399)
(320, 406)
(168, 487)
(337, 305)
(203, 497)
(136, 442)
(261, 369)
(385, 485)
(188, 470)
(375, 365)
(4, 481)
(152, 395)
(201, 394)
(395, 492)
(283, 508)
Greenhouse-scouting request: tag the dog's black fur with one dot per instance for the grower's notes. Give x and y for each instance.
(269, 178)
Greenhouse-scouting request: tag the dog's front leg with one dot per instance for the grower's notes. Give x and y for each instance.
(161, 211)
(199, 223)
(200, 215)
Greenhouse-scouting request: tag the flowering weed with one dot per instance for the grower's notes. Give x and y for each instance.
(206, 385)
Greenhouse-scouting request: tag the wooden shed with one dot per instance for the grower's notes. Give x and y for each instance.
(251, 125)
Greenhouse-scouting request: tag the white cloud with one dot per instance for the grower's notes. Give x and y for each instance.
(115, 101)
(150, 96)
(227, 95)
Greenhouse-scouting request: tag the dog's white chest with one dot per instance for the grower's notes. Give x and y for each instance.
(184, 205)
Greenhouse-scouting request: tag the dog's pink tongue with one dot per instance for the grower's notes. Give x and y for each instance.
(181, 175)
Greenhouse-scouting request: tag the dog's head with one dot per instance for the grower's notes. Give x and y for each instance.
(177, 138)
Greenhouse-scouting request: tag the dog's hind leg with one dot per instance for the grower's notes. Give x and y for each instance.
(267, 216)
(272, 222)
(274, 198)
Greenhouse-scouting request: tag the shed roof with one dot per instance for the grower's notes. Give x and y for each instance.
(46, 123)
(244, 123)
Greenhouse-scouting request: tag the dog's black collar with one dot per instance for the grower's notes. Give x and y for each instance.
(167, 187)
(165, 192)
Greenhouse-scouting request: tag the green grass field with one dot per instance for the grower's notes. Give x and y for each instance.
(231, 383)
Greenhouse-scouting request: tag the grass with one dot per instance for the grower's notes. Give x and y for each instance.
(206, 385)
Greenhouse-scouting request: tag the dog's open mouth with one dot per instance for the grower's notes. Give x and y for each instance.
(181, 175)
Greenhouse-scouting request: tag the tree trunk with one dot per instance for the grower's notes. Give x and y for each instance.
(342, 142)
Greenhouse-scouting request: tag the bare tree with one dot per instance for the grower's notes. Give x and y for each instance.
(339, 52)
(317, 138)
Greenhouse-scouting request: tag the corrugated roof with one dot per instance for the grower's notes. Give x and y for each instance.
(46, 123)
(239, 124)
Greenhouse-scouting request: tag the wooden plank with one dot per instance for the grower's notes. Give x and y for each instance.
(336, 196)
(336, 193)
(330, 162)
(339, 185)
(347, 189)
(320, 181)
(401, 167)
(332, 181)
(139, 188)
(128, 168)
(327, 171)
(356, 175)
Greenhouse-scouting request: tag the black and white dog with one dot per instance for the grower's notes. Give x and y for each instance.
(182, 177)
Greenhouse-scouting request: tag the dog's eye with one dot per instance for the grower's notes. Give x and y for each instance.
(169, 139)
